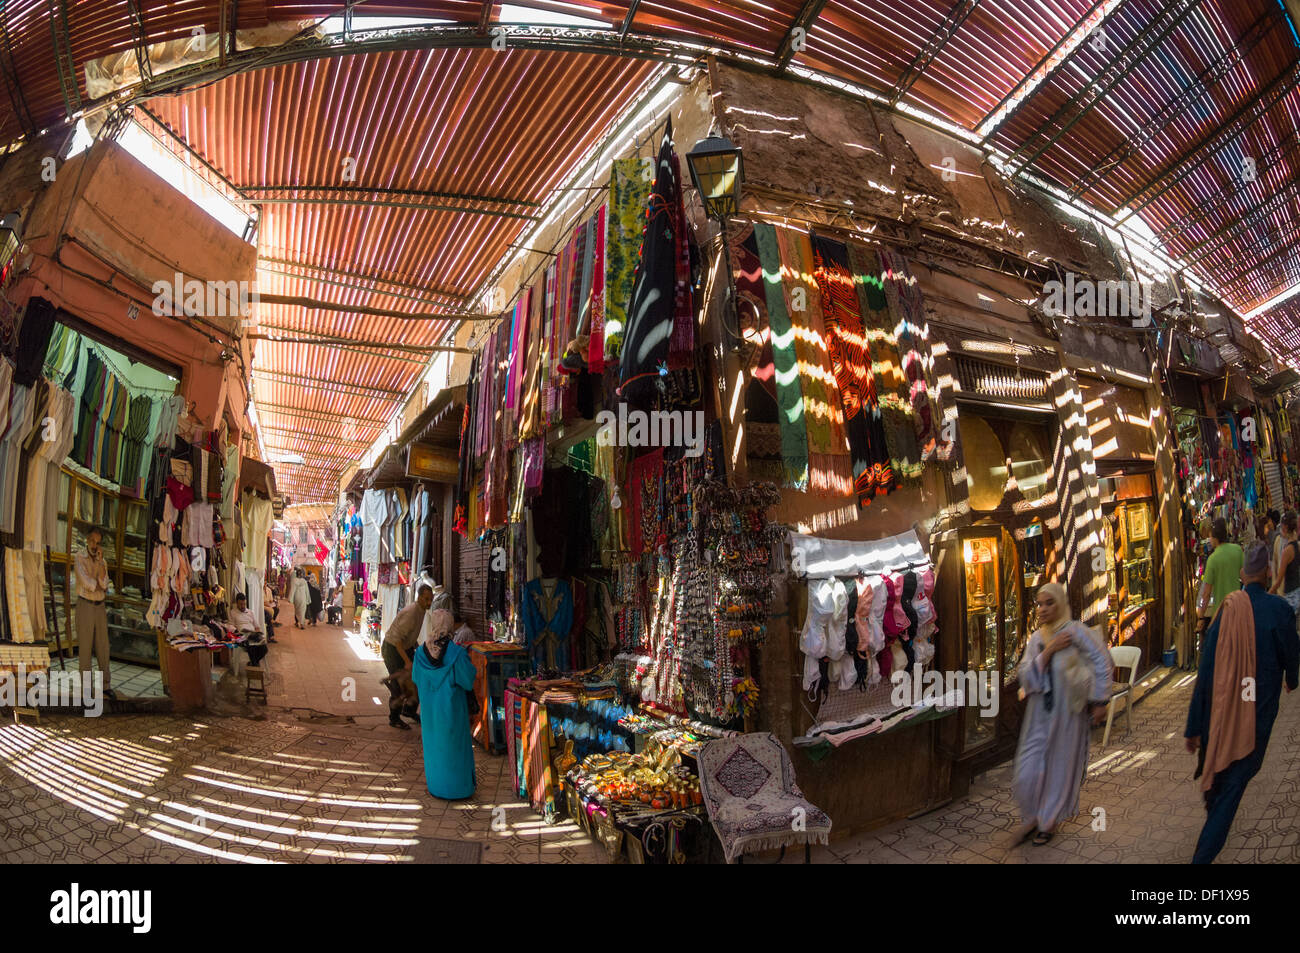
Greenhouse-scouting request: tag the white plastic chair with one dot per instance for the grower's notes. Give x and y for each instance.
(1123, 656)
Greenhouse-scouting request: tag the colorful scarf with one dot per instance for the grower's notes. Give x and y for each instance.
(789, 395)
(892, 389)
(830, 468)
(911, 328)
(872, 474)
(530, 398)
(1230, 735)
(629, 192)
(596, 343)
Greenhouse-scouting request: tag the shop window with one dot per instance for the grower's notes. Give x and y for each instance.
(989, 443)
(995, 627)
(986, 462)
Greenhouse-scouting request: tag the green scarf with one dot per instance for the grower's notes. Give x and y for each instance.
(789, 394)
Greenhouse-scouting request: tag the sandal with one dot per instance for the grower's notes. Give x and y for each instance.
(1024, 833)
(1043, 837)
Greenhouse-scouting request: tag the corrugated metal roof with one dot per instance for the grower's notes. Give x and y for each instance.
(1161, 113)
(452, 125)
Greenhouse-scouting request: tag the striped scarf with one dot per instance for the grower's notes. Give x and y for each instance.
(830, 468)
(789, 393)
(872, 473)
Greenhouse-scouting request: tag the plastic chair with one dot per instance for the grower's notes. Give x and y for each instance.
(1123, 656)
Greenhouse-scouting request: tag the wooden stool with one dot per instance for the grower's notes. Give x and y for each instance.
(256, 682)
(26, 713)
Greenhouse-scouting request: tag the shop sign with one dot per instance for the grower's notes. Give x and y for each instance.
(429, 463)
(277, 506)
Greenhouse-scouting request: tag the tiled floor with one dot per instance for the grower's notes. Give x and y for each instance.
(289, 784)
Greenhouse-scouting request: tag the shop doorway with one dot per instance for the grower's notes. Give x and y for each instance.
(1133, 610)
(106, 480)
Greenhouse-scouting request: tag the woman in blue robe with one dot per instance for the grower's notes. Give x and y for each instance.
(443, 673)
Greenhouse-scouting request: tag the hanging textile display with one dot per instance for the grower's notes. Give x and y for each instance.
(872, 473)
(660, 326)
(629, 192)
(830, 468)
(785, 362)
(908, 310)
(892, 389)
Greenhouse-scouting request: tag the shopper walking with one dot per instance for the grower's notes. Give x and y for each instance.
(313, 600)
(397, 650)
(271, 606)
(1222, 574)
(299, 595)
(1248, 650)
(92, 616)
(1066, 677)
(1286, 573)
(443, 673)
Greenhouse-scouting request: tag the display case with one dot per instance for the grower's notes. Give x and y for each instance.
(84, 504)
(993, 610)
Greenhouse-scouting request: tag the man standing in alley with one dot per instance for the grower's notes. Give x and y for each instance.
(1222, 574)
(92, 617)
(1248, 650)
(397, 650)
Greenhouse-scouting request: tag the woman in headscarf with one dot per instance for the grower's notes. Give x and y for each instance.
(1066, 677)
(299, 596)
(443, 673)
(314, 602)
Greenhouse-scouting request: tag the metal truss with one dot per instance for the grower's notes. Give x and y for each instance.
(932, 48)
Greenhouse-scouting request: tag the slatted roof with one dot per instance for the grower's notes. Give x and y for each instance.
(1183, 110)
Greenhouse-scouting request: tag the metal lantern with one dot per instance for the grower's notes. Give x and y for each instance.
(717, 170)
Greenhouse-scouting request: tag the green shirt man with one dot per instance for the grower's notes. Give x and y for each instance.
(1223, 573)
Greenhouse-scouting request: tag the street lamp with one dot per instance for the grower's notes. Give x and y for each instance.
(717, 172)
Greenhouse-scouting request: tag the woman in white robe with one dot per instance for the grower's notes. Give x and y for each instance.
(1066, 678)
(298, 595)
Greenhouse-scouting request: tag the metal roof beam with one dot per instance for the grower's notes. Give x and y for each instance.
(802, 24)
(1116, 69)
(318, 337)
(313, 435)
(1199, 153)
(355, 276)
(627, 20)
(254, 191)
(1198, 88)
(61, 38)
(350, 348)
(382, 393)
(319, 416)
(297, 301)
(140, 42)
(1043, 71)
(356, 200)
(157, 121)
(932, 48)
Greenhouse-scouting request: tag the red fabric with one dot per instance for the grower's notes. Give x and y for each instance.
(596, 347)
(180, 494)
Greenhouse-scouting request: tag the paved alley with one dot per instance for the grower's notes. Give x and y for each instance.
(166, 788)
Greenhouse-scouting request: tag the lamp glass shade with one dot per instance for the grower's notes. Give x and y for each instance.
(717, 170)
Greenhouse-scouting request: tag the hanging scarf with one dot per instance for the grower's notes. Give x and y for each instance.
(660, 326)
(892, 389)
(911, 328)
(596, 343)
(785, 361)
(1230, 735)
(629, 192)
(830, 468)
(872, 474)
(531, 376)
